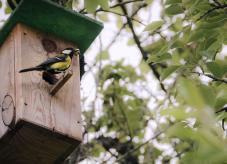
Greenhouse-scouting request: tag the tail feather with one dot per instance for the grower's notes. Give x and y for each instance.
(31, 69)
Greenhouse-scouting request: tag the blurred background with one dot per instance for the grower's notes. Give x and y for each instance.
(154, 88)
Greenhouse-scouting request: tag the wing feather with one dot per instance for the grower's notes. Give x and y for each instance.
(56, 59)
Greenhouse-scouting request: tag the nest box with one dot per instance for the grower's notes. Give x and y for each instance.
(36, 126)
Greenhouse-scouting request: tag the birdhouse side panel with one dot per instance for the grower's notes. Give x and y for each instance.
(61, 111)
(7, 88)
(35, 104)
(66, 105)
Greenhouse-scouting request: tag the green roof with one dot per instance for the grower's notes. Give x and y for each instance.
(53, 19)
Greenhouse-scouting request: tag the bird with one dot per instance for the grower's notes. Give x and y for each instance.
(54, 65)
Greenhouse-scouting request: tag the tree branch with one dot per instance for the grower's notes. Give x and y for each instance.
(212, 77)
(123, 114)
(221, 110)
(212, 10)
(123, 26)
(124, 3)
(141, 145)
(138, 43)
(119, 14)
(223, 120)
(217, 2)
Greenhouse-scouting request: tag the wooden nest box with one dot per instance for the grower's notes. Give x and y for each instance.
(35, 126)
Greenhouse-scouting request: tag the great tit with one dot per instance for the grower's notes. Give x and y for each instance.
(55, 65)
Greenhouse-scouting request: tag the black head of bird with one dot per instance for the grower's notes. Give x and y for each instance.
(71, 51)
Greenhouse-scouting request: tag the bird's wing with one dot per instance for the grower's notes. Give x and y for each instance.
(49, 61)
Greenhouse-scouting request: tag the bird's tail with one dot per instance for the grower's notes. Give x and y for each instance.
(31, 69)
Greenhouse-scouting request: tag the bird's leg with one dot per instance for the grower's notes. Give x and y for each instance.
(64, 73)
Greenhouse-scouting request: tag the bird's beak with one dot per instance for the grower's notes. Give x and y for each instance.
(77, 52)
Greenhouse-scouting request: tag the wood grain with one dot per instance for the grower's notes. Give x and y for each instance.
(7, 77)
(60, 83)
(28, 143)
(60, 112)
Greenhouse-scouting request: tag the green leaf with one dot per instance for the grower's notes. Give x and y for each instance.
(155, 47)
(200, 34)
(190, 92)
(170, 2)
(69, 4)
(103, 3)
(177, 113)
(168, 71)
(217, 68)
(174, 9)
(8, 10)
(220, 17)
(220, 102)
(179, 130)
(131, 42)
(104, 55)
(144, 67)
(208, 95)
(159, 58)
(148, 1)
(103, 17)
(177, 25)
(96, 150)
(91, 5)
(154, 26)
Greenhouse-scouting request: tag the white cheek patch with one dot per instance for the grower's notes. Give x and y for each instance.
(66, 51)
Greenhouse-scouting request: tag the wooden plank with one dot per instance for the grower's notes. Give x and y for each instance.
(29, 143)
(61, 82)
(18, 79)
(6, 83)
(61, 111)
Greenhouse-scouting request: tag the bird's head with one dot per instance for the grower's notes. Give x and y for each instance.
(71, 52)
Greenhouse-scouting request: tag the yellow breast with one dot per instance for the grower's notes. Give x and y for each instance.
(62, 65)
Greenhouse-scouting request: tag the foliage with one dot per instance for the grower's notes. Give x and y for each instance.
(184, 51)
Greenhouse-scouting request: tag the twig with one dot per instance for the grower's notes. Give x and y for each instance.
(212, 77)
(217, 2)
(223, 120)
(221, 110)
(123, 113)
(215, 78)
(211, 10)
(138, 43)
(123, 26)
(141, 145)
(116, 36)
(116, 13)
(124, 3)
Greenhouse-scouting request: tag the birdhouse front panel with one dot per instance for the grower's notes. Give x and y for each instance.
(60, 112)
